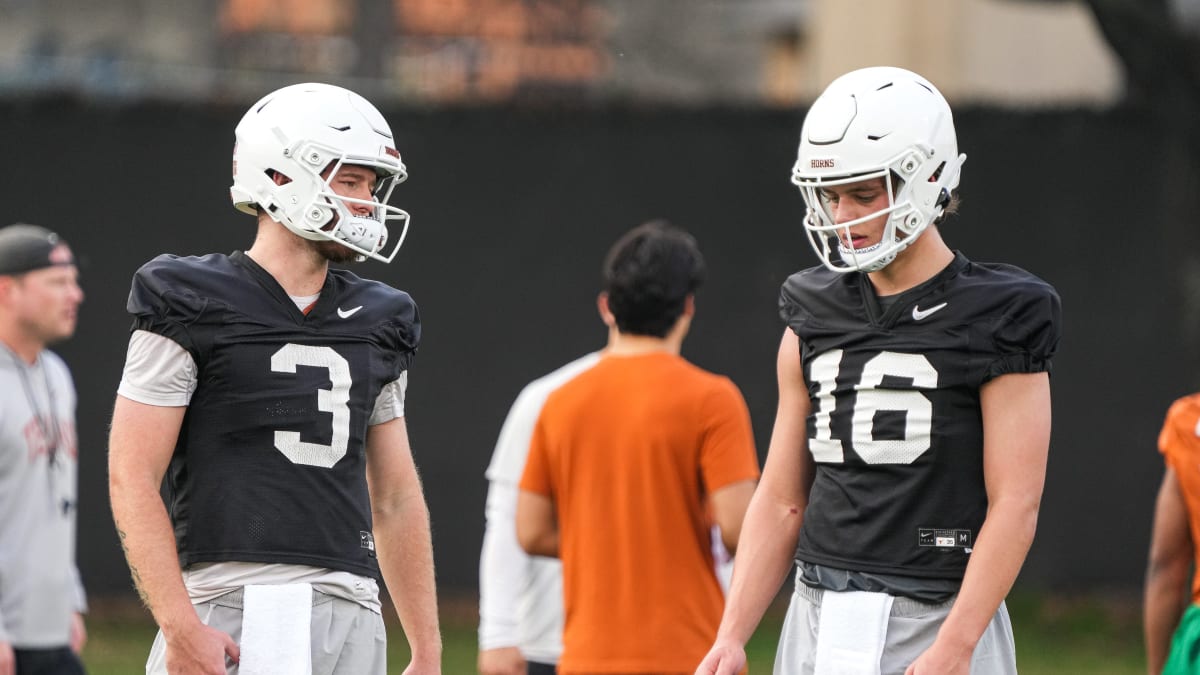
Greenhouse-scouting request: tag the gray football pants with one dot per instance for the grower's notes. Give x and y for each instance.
(347, 638)
(912, 627)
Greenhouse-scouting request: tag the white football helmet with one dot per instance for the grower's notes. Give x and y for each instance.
(871, 123)
(302, 132)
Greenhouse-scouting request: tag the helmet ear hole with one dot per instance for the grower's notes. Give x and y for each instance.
(278, 177)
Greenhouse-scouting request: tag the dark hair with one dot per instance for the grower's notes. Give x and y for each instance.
(648, 274)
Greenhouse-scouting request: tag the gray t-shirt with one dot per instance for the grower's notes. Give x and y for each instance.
(39, 582)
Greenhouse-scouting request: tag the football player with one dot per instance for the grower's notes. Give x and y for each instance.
(906, 466)
(268, 389)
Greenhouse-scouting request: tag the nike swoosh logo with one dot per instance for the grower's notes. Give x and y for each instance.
(347, 313)
(918, 314)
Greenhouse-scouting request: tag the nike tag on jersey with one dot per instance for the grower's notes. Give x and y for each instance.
(918, 313)
(928, 536)
(347, 313)
(367, 541)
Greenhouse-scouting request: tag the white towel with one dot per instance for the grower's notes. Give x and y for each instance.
(275, 630)
(851, 632)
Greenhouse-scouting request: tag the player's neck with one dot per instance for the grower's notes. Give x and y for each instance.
(297, 268)
(915, 265)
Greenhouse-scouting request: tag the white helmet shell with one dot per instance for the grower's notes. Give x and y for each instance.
(879, 122)
(306, 132)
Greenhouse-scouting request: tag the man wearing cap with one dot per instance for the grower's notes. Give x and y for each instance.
(41, 596)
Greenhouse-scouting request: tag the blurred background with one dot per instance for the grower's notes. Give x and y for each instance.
(536, 131)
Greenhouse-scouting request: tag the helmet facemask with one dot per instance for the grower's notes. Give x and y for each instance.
(906, 219)
(331, 216)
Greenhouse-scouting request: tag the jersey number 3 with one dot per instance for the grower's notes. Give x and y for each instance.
(334, 400)
(870, 399)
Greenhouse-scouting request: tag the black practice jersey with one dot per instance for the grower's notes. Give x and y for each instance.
(895, 426)
(270, 465)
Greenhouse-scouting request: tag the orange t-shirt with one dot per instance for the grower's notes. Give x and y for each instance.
(628, 451)
(1179, 442)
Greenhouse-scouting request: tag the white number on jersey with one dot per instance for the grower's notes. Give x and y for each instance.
(870, 399)
(333, 400)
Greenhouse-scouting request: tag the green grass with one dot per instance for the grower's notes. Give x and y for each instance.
(1098, 636)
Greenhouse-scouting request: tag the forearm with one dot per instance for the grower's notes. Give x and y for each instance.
(999, 551)
(405, 549)
(149, 543)
(765, 556)
(141, 444)
(1016, 432)
(1164, 605)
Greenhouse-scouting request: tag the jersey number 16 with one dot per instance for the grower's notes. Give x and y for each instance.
(868, 400)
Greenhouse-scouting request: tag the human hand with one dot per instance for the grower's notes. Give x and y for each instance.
(723, 659)
(79, 634)
(941, 660)
(501, 661)
(202, 650)
(7, 659)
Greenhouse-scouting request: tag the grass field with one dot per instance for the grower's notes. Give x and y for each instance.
(1058, 635)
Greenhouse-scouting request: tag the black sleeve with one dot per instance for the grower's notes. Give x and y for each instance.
(793, 300)
(405, 333)
(161, 302)
(1026, 337)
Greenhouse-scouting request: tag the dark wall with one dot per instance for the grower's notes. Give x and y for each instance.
(513, 212)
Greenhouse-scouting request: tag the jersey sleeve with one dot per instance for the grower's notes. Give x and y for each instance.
(403, 332)
(1179, 439)
(728, 454)
(791, 306)
(162, 303)
(1027, 333)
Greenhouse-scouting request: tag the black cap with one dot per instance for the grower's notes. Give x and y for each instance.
(24, 248)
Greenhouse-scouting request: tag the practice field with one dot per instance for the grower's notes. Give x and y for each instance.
(1059, 635)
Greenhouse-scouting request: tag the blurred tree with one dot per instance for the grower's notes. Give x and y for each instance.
(1161, 59)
